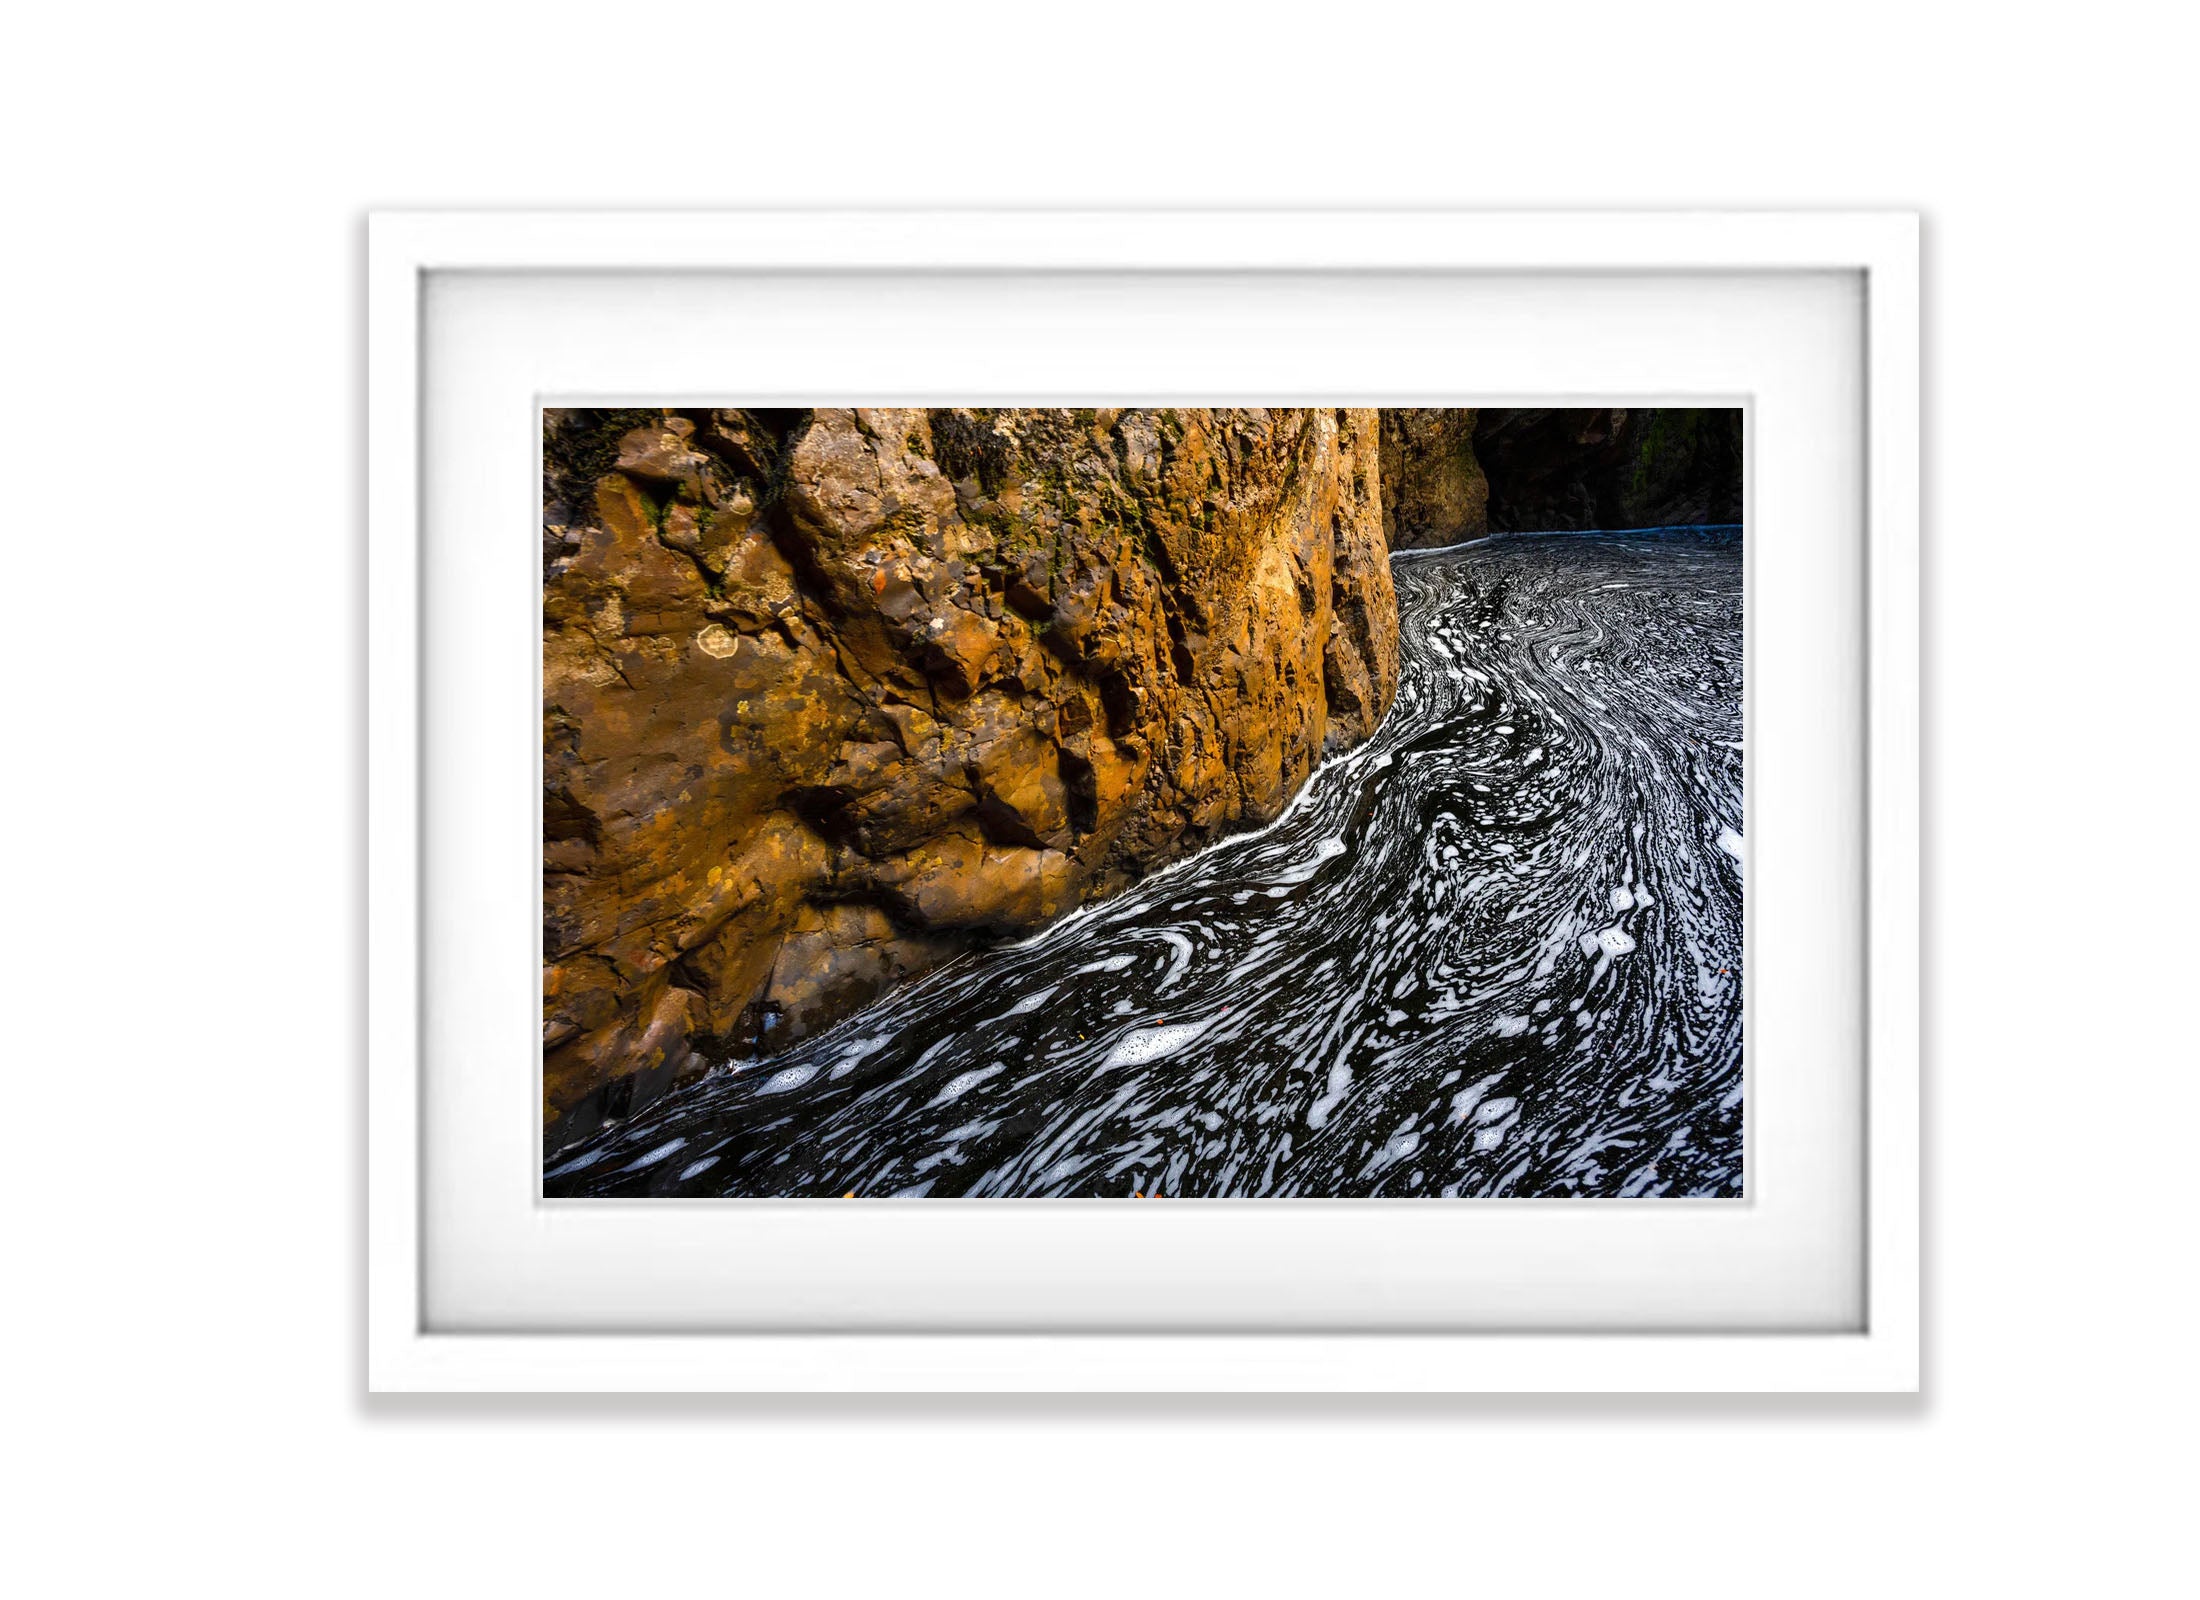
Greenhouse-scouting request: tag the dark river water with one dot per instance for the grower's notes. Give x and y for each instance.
(1496, 950)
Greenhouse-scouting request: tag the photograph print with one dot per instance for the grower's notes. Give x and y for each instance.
(1147, 803)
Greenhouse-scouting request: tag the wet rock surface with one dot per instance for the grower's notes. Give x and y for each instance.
(833, 696)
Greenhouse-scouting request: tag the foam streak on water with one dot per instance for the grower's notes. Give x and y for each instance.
(1497, 950)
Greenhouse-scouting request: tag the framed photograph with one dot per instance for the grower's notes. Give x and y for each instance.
(1143, 801)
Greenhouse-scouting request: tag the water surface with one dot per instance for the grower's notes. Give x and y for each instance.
(1496, 950)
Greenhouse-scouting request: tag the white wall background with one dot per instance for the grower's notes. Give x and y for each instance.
(182, 439)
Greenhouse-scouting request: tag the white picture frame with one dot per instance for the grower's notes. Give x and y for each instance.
(409, 1350)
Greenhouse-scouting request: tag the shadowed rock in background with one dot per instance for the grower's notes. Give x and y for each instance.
(1605, 468)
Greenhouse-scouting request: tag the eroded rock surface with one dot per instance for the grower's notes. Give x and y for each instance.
(1434, 492)
(829, 696)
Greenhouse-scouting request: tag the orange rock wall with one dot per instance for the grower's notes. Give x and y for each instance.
(831, 695)
(1434, 491)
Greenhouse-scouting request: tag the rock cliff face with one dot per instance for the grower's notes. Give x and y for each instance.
(829, 696)
(1434, 492)
(1605, 468)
